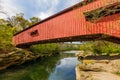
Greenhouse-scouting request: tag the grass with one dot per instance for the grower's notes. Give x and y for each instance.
(118, 73)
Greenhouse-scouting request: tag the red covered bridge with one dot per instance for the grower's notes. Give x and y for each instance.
(87, 20)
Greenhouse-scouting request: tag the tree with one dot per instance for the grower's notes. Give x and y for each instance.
(6, 34)
(19, 21)
(34, 20)
(11, 26)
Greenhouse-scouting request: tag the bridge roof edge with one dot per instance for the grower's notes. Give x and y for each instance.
(57, 14)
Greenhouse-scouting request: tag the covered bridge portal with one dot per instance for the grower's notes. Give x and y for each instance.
(87, 20)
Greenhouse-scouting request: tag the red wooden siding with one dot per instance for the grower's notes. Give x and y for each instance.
(72, 24)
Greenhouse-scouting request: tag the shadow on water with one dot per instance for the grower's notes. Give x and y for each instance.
(58, 67)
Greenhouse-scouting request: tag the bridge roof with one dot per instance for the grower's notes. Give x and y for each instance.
(80, 4)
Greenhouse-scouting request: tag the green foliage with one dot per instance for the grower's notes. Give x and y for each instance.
(19, 22)
(118, 73)
(34, 20)
(12, 26)
(101, 47)
(45, 49)
(6, 34)
(68, 47)
(49, 49)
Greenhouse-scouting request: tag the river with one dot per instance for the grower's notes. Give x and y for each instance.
(59, 67)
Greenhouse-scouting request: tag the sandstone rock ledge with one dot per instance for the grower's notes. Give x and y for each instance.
(16, 57)
(101, 68)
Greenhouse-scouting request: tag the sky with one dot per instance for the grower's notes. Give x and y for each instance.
(37, 8)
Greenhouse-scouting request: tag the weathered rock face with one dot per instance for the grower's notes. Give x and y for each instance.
(99, 69)
(17, 57)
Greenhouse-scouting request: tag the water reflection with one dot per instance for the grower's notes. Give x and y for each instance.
(59, 67)
(65, 70)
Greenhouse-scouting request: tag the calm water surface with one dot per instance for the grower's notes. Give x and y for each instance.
(59, 67)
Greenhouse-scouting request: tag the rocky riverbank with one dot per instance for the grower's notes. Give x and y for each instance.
(16, 57)
(99, 68)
